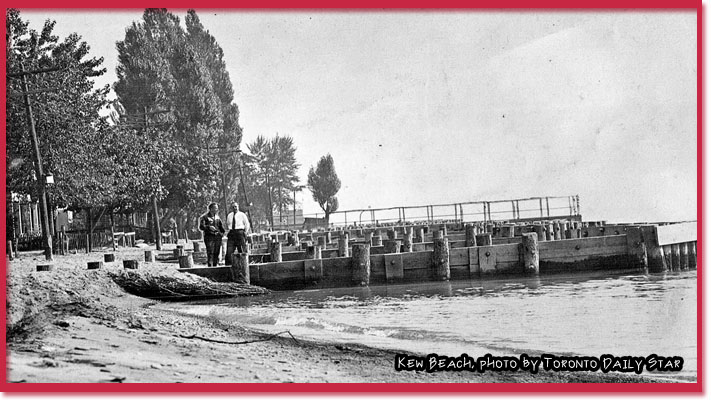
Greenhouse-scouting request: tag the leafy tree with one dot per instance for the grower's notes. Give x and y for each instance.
(230, 134)
(94, 163)
(285, 170)
(324, 184)
(70, 131)
(176, 80)
(273, 165)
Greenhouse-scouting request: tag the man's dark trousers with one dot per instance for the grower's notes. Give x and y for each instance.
(236, 240)
(212, 247)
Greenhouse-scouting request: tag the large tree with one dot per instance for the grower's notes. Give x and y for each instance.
(324, 184)
(94, 164)
(65, 109)
(273, 168)
(176, 80)
(229, 134)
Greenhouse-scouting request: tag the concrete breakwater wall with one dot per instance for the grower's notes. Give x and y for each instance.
(471, 251)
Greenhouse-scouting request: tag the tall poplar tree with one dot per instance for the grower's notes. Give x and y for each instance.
(324, 184)
(175, 80)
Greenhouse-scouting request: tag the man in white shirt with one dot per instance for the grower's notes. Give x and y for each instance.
(237, 225)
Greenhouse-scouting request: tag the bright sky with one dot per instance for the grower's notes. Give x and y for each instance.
(440, 107)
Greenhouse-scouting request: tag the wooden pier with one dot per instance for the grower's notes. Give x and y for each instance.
(418, 253)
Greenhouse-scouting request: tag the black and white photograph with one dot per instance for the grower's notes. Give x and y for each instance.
(352, 196)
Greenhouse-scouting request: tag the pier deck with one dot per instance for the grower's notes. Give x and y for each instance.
(417, 253)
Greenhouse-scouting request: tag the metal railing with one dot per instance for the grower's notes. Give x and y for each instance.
(472, 211)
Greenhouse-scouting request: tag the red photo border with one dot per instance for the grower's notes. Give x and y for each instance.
(400, 5)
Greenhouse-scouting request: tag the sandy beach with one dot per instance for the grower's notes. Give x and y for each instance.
(77, 325)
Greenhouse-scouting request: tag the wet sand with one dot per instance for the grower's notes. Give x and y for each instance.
(76, 325)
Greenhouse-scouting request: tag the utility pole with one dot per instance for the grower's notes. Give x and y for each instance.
(271, 207)
(159, 238)
(244, 189)
(38, 170)
(224, 187)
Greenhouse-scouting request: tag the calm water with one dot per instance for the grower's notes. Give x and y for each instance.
(581, 314)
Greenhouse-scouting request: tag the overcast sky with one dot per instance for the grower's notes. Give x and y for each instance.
(439, 107)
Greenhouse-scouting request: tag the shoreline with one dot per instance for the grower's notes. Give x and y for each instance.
(76, 325)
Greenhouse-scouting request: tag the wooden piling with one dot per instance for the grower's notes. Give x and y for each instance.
(636, 249)
(420, 235)
(489, 228)
(109, 257)
(655, 253)
(360, 264)
(484, 239)
(540, 232)
(150, 256)
(470, 235)
(240, 268)
(130, 264)
(275, 251)
(556, 231)
(10, 254)
(368, 237)
(407, 241)
(186, 261)
(391, 246)
(529, 252)
(566, 231)
(667, 254)
(313, 253)
(377, 239)
(95, 264)
(343, 246)
(684, 254)
(692, 255)
(88, 244)
(440, 258)
(507, 231)
(676, 257)
(548, 228)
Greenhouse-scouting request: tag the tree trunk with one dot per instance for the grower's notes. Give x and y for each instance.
(271, 206)
(89, 229)
(159, 239)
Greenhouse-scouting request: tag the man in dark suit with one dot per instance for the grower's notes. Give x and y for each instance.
(211, 224)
